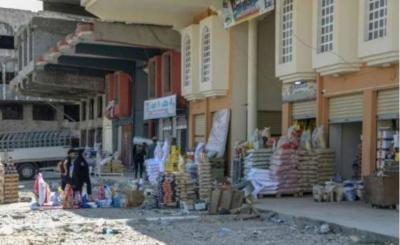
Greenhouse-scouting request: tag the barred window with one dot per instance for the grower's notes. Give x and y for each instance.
(326, 22)
(287, 31)
(377, 19)
(186, 60)
(206, 55)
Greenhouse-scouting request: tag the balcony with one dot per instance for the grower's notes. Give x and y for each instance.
(335, 42)
(297, 31)
(213, 57)
(378, 33)
(176, 13)
(8, 94)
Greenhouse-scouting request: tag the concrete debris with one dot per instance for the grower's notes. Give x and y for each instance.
(324, 229)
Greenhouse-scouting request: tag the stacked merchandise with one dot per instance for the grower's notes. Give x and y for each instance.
(166, 190)
(282, 175)
(185, 187)
(2, 171)
(205, 180)
(257, 159)
(326, 164)
(307, 167)
(152, 170)
(111, 166)
(283, 165)
(387, 149)
(9, 181)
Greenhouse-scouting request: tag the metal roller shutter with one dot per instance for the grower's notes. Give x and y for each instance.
(270, 119)
(304, 110)
(200, 128)
(347, 108)
(388, 104)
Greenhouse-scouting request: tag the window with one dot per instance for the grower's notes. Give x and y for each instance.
(84, 117)
(377, 19)
(167, 73)
(206, 55)
(100, 107)
(43, 113)
(116, 89)
(91, 109)
(25, 52)
(287, 31)
(327, 9)
(152, 80)
(186, 61)
(30, 45)
(71, 113)
(12, 112)
(20, 56)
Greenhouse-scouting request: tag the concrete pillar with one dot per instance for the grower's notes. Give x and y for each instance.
(252, 78)
(369, 133)
(286, 117)
(322, 107)
(3, 78)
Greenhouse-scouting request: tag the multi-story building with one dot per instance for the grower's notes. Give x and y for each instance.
(225, 65)
(21, 113)
(338, 61)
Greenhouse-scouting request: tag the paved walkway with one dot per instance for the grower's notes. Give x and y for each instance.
(356, 215)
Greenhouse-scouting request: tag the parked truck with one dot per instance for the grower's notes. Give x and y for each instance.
(35, 150)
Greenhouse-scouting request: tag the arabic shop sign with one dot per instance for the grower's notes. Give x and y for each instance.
(299, 90)
(160, 108)
(239, 11)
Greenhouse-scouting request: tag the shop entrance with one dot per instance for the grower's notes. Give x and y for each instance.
(345, 140)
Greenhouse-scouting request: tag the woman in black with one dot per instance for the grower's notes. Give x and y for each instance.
(65, 168)
(81, 175)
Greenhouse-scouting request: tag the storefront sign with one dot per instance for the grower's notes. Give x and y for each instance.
(219, 133)
(299, 90)
(160, 108)
(239, 11)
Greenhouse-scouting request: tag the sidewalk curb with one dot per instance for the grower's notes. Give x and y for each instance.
(365, 236)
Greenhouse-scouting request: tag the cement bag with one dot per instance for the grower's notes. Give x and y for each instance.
(318, 141)
(305, 140)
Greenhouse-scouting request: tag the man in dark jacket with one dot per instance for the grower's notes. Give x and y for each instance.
(140, 155)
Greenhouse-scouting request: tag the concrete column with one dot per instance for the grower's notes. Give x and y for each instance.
(322, 107)
(3, 78)
(368, 163)
(252, 78)
(286, 117)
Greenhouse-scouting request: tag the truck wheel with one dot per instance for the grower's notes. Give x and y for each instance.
(27, 171)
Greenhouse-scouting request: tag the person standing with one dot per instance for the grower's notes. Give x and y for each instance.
(65, 168)
(152, 148)
(82, 174)
(140, 155)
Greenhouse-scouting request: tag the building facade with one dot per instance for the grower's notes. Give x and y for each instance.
(21, 113)
(339, 68)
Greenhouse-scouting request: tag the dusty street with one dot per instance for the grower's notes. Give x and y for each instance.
(19, 225)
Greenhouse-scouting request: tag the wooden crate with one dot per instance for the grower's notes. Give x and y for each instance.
(382, 191)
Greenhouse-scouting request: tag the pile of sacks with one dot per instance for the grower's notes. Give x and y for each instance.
(185, 187)
(258, 159)
(205, 179)
(326, 164)
(308, 167)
